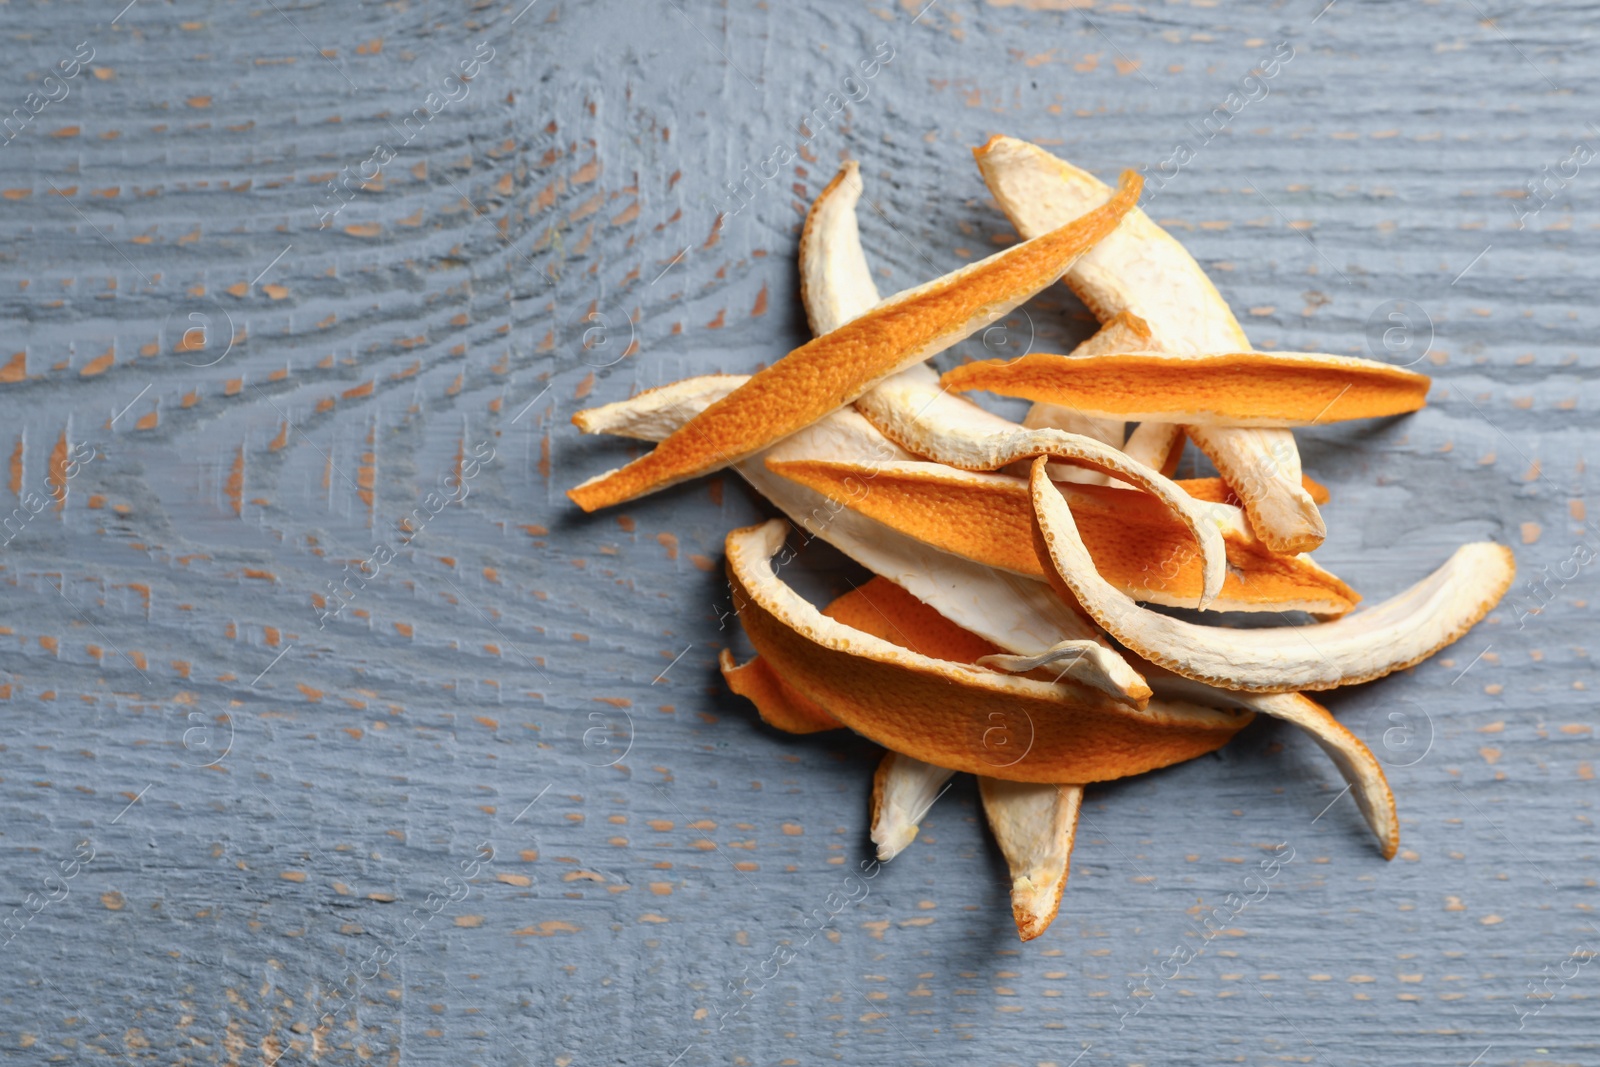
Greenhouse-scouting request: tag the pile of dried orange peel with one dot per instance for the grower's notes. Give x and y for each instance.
(1005, 632)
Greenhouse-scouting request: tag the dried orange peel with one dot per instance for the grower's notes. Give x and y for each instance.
(779, 705)
(837, 288)
(1004, 633)
(1029, 821)
(1355, 761)
(1136, 546)
(1141, 269)
(1232, 389)
(1218, 492)
(939, 711)
(1034, 825)
(903, 789)
(1401, 631)
(836, 283)
(824, 375)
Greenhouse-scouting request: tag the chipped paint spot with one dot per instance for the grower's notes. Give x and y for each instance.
(235, 484)
(56, 477)
(99, 364)
(548, 928)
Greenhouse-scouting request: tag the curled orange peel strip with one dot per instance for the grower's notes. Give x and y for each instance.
(826, 374)
(1232, 389)
(779, 705)
(950, 714)
(1136, 545)
(836, 283)
(1386, 637)
(1355, 761)
(885, 610)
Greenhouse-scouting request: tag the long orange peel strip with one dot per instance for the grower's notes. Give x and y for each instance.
(1355, 761)
(833, 370)
(1136, 546)
(1034, 825)
(836, 283)
(914, 412)
(837, 287)
(942, 712)
(1228, 389)
(1387, 637)
(1142, 269)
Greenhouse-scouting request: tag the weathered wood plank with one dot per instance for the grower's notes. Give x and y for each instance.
(270, 790)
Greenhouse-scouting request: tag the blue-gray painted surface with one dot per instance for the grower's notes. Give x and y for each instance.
(498, 808)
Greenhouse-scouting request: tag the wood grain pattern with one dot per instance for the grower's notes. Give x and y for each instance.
(284, 652)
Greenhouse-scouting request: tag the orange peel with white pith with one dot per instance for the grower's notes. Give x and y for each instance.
(1136, 545)
(1228, 389)
(903, 789)
(833, 370)
(1035, 826)
(1033, 822)
(953, 714)
(1354, 760)
(1403, 630)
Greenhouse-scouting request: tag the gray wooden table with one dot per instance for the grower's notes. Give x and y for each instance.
(492, 804)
